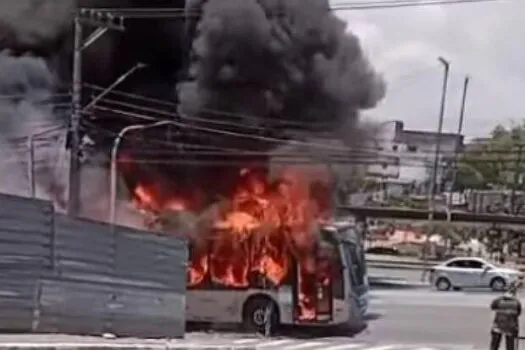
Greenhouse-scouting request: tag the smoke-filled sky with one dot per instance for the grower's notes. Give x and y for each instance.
(286, 59)
(483, 40)
(280, 60)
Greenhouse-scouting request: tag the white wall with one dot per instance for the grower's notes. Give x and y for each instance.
(387, 158)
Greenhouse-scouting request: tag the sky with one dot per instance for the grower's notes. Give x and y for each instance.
(482, 40)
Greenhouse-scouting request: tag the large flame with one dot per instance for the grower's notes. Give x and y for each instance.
(264, 231)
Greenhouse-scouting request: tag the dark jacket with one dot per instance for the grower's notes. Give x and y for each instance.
(508, 310)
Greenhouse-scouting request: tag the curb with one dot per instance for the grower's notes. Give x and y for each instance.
(396, 267)
(87, 346)
(398, 286)
(394, 283)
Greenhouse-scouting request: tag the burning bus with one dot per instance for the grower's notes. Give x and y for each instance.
(273, 284)
(269, 253)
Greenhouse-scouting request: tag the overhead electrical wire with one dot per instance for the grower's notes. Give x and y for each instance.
(342, 152)
(283, 157)
(152, 13)
(225, 123)
(119, 104)
(348, 5)
(257, 121)
(181, 118)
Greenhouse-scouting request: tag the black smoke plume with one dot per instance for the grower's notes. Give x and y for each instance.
(27, 109)
(283, 60)
(286, 62)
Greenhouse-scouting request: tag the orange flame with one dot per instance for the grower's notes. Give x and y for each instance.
(258, 233)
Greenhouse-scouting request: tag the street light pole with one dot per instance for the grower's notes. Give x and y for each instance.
(458, 141)
(113, 160)
(433, 178)
(437, 153)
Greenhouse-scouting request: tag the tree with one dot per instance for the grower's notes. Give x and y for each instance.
(493, 162)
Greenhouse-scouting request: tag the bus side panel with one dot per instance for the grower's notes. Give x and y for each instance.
(341, 312)
(286, 305)
(220, 306)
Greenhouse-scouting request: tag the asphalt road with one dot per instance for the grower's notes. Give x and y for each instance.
(420, 319)
(431, 317)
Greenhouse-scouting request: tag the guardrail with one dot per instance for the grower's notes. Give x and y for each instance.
(412, 264)
(399, 264)
(65, 275)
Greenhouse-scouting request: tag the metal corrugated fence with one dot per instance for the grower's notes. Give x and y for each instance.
(59, 274)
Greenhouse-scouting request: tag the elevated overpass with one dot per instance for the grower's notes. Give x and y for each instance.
(411, 215)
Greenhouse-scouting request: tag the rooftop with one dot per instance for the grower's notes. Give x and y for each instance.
(417, 137)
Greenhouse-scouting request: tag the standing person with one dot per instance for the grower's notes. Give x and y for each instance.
(507, 309)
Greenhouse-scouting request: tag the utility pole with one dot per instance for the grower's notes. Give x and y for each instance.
(73, 203)
(458, 141)
(433, 178)
(437, 153)
(102, 22)
(516, 180)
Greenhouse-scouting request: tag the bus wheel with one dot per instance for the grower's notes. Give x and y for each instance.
(256, 313)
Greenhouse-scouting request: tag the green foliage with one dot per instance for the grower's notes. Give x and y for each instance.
(492, 162)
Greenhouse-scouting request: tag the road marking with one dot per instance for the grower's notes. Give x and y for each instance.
(82, 345)
(345, 347)
(305, 345)
(246, 341)
(274, 343)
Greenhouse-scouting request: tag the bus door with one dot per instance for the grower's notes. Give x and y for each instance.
(324, 281)
(312, 292)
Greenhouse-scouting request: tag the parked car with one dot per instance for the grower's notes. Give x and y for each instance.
(458, 273)
(382, 251)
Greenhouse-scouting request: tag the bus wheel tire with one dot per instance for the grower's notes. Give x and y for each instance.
(443, 284)
(254, 315)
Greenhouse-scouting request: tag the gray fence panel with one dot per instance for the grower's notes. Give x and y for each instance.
(76, 306)
(148, 312)
(83, 248)
(17, 301)
(68, 306)
(68, 275)
(26, 241)
(149, 257)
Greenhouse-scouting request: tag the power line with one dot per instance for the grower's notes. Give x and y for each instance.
(372, 149)
(375, 156)
(172, 113)
(401, 4)
(238, 126)
(167, 13)
(255, 119)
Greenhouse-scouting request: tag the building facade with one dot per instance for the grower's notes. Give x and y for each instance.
(415, 154)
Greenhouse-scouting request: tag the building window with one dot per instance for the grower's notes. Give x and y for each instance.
(394, 148)
(412, 148)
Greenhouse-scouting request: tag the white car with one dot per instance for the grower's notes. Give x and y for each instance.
(460, 273)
